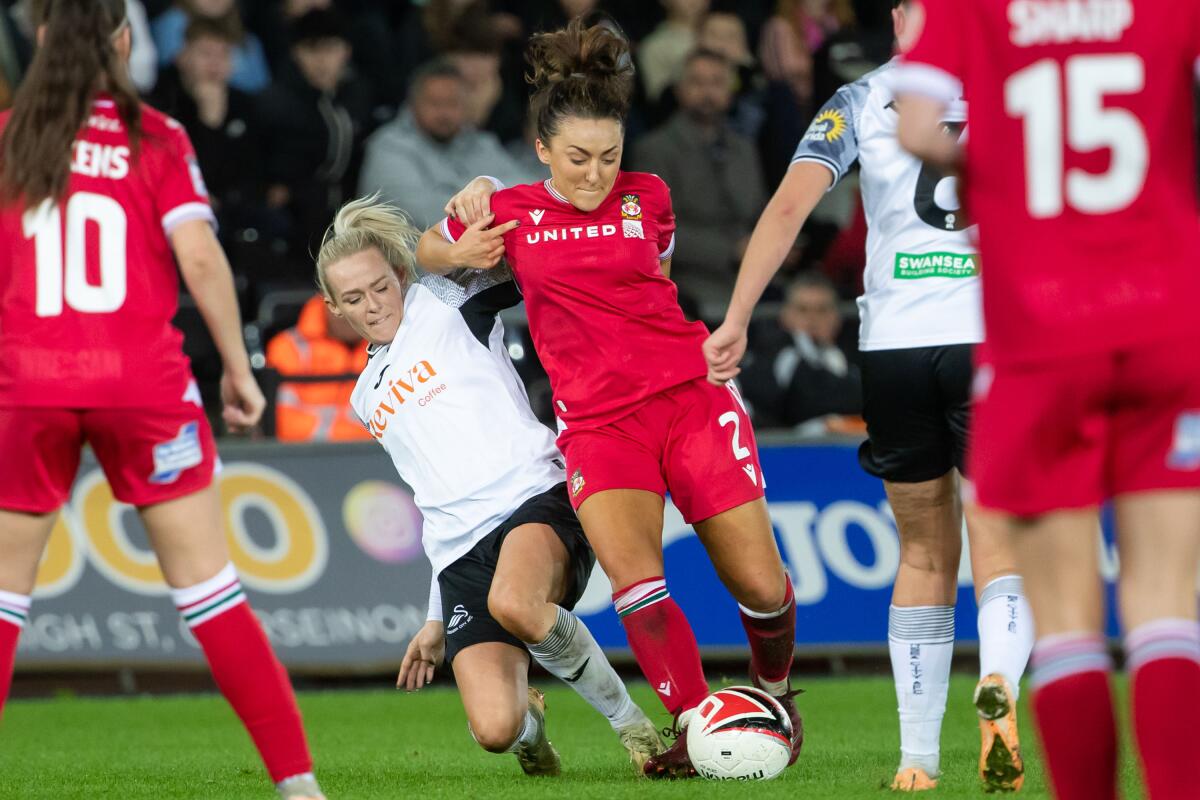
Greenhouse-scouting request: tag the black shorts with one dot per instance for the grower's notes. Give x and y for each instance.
(465, 584)
(917, 404)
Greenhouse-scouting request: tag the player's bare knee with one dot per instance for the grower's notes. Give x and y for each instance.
(763, 594)
(496, 732)
(516, 613)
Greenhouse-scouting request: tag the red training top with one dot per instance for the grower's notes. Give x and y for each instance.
(605, 321)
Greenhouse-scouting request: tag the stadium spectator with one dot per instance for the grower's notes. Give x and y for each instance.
(250, 70)
(724, 32)
(662, 54)
(715, 178)
(489, 106)
(320, 344)
(799, 373)
(430, 150)
(315, 115)
(220, 119)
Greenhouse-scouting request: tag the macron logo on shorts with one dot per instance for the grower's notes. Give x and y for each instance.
(1185, 450)
(173, 457)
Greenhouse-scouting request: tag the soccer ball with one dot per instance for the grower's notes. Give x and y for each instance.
(739, 733)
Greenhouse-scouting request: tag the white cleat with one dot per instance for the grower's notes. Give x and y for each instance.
(641, 741)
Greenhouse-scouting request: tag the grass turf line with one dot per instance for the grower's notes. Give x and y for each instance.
(387, 744)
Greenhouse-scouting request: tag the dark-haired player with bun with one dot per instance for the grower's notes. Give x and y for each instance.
(637, 418)
(99, 197)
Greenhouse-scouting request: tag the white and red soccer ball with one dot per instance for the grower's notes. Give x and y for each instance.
(739, 733)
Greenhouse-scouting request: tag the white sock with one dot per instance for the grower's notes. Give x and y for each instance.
(921, 642)
(1005, 630)
(570, 653)
(528, 735)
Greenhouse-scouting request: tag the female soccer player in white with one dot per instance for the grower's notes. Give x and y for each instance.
(509, 557)
(921, 320)
(101, 197)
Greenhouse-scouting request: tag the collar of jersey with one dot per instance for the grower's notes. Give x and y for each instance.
(557, 195)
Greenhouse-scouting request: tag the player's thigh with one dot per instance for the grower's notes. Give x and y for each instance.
(1040, 435)
(492, 680)
(1156, 422)
(39, 457)
(466, 585)
(624, 527)
(188, 536)
(1056, 554)
(741, 545)
(1158, 537)
(623, 455)
(908, 437)
(710, 460)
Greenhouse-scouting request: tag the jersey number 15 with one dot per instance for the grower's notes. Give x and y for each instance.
(61, 262)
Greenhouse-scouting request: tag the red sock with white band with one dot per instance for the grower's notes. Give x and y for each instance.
(772, 638)
(14, 610)
(247, 671)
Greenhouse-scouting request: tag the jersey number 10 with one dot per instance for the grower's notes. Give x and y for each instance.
(1035, 94)
(62, 262)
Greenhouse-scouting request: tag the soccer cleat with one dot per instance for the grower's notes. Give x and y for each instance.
(1000, 765)
(788, 701)
(673, 762)
(641, 741)
(539, 758)
(913, 779)
(300, 787)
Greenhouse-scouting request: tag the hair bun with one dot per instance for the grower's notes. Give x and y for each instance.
(597, 52)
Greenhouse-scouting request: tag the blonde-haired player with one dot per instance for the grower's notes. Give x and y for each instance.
(509, 557)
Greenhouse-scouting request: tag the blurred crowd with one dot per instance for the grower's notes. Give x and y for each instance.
(295, 106)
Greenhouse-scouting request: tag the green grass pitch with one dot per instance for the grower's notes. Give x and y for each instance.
(387, 744)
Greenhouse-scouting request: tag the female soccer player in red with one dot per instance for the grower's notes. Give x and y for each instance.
(637, 417)
(99, 196)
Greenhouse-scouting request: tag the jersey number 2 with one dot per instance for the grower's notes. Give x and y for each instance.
(1035, 94)
(61, 264)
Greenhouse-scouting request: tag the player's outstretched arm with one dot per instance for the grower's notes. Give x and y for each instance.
(473, 201)
(921, 132)
(802, 188)
(479, 247)
(209, 280)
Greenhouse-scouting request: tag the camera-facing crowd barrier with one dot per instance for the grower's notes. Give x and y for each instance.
(326, 539)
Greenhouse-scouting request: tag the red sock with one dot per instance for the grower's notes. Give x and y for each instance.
(1073, 705)
(772, 638)
(663, 643)
(246, 671)
(14, 608)
(1164, 658)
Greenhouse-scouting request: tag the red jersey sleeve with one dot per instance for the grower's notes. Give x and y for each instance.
(180, 193)
(666, 221)
(451, 229)
(936, 65)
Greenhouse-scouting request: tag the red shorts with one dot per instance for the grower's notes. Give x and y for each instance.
(1073, 433)
(693, 440)
(148, 455)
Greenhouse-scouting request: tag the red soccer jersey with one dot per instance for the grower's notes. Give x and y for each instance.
(1081, 161)
(88, 286)
(605, 320)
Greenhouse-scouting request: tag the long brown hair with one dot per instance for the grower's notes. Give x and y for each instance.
(579, 71)
(76, 59)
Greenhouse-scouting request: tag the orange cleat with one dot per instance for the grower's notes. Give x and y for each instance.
(913, 779)
(1000, 766)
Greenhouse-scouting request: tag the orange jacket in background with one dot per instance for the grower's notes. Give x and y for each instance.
(315, 412)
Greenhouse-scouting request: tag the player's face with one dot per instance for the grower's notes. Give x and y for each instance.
(584, 158)
(365, 291)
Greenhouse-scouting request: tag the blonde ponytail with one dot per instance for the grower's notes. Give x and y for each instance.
(368, 223)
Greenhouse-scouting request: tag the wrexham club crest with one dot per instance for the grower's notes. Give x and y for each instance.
(631, 216)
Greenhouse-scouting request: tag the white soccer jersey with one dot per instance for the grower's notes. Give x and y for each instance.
(447, 405)
(921, 286)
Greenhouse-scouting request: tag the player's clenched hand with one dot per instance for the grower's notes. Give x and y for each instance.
(425, 651)
(243, 401)
(481, 247)
(473, 203)
(723, 350)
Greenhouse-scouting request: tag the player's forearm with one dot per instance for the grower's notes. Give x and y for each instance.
(774, 235)
(920, 132)
(209, 281)
(434, 253)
